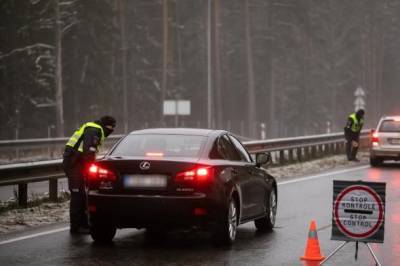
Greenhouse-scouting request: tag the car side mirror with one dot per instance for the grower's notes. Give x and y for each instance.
(263, 158)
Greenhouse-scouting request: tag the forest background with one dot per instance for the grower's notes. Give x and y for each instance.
(292, 66)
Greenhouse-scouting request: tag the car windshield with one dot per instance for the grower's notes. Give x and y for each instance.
(390, 126)
(158, 145)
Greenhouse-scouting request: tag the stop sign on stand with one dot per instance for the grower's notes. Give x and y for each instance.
(358, 213)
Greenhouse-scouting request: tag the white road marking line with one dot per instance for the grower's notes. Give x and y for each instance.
(280, 183)
(324, 174)
(33, 235)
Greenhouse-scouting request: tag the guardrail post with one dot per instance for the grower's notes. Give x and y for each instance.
(273, 158)
(281, 157)
(23, 194)
(342, 147)
(53, 189)
(331, 148)
(313, 152)
(291, 160)
(337, 148)
(298, 154)
(326, 149)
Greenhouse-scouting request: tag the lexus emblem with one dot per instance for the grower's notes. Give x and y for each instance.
(144, 165)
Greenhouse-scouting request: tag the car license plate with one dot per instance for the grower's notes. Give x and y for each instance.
(394, 141)
(145, 181)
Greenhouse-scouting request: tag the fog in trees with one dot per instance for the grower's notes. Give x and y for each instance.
(292, 66)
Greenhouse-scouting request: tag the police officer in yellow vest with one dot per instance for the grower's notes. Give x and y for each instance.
(81, 150)
(352, 131)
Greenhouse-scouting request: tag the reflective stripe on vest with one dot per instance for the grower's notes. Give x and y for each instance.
(78, 134)
(357, 125)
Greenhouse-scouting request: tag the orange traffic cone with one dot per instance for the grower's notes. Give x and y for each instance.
(312, 251)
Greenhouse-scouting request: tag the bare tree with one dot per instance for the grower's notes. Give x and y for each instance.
(218, 105)
(124, 48)
(251, 96)
(165, 55)
(59, 81)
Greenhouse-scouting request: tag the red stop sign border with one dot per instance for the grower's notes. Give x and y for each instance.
(336, 210)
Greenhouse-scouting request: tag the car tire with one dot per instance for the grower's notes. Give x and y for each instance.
(267, 223)
(226, 228)
(102, 231)
(375, 161)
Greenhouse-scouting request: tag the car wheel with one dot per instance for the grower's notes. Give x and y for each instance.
(267, 223)
(375, 161)
(101, 230)
(225, 231)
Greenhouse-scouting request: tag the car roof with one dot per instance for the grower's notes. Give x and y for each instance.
(177, 131)
(397, 118)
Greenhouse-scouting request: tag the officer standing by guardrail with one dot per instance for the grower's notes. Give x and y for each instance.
(352, 131)
(81, 150)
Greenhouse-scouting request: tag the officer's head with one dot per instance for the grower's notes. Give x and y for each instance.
(360, 113)
(108, 123)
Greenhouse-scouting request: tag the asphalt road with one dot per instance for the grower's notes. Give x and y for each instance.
(300, 201)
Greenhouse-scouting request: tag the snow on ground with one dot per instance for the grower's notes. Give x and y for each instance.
(46, 213)
(316, 166)
(49, 213)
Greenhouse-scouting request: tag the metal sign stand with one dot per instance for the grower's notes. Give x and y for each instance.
(377, 263)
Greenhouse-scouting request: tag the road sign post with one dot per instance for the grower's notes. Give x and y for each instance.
(359, 102)
(358, 214)
(176, 108)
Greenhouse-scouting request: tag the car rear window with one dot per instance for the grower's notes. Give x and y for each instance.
(390, 126)
(158, 145)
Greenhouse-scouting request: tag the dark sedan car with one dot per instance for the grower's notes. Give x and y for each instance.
(163, 179)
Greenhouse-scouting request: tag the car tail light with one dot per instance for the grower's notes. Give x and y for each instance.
(199, 211)
(375, 138)
(92, 208)
(199, 175)
(101, 176)
(154, 154)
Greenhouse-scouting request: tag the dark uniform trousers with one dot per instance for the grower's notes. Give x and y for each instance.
(73, 167)
(351, 151)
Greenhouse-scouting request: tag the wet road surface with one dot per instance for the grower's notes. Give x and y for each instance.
(300, 201)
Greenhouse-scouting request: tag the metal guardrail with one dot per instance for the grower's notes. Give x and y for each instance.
(284, 150)
(35, 143)
(14, 151)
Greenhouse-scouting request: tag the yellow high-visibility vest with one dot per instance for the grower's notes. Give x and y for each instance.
(72, 142)
(357, 125)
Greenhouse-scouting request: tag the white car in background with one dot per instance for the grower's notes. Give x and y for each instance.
(385, 140)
